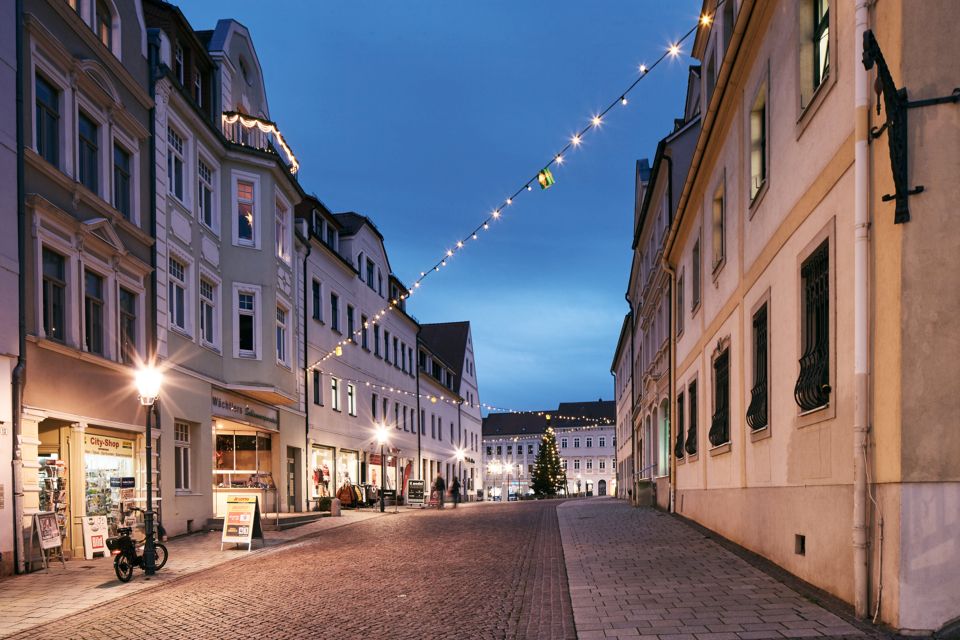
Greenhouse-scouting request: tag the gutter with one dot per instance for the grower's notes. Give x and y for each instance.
(19, 374)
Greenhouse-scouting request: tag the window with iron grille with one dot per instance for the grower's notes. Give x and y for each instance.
(812, 390)
(691, 444)
(720, 423)
(757, 414)
(678, 446)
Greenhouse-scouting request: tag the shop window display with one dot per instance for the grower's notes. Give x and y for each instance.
(105, 458)
(243, 460)
(321, 472)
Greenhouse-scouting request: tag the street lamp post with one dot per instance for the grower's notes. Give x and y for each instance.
(149, 380)
(382, 440)
(460, 456)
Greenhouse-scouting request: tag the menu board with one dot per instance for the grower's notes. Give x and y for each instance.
(415, 492)
(242, 521)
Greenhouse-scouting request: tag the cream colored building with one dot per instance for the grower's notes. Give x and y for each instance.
(621, 369)
(817, 332)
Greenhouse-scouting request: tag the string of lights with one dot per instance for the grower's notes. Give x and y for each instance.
(266, 126)
(543, 177)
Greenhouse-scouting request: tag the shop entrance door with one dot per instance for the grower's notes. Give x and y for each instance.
(602, 488)
(293, 474)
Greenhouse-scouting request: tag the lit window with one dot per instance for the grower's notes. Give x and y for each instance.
(758, 142)
(246, 323)
(104, 24)
(281, 229)
(245, 212)
(821, 41)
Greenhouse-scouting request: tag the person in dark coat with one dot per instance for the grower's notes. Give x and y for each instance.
(440, 486)
(455, 491)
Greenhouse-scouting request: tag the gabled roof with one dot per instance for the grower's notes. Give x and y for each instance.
(352, 222)
(535, 422)
(449, 341)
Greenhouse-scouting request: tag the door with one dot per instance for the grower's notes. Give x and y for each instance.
(293, 475)
(602, 488)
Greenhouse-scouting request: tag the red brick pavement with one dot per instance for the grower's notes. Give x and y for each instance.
(490, 572)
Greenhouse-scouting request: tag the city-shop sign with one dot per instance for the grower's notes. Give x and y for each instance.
(107, 446)
(234, 407)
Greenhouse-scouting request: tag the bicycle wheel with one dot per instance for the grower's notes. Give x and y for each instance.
(123, 568)
(160, 556)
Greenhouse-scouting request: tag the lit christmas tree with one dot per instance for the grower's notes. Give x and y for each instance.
(548, 475)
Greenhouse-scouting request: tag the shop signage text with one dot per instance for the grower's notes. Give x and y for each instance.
(415, 490)
(107, 446)
(236, 408)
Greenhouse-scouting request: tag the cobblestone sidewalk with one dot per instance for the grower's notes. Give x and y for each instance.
(639, 573)
(37, 598)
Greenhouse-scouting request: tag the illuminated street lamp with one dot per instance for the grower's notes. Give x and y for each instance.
(382, 440)
(460, 455)
(149, 380)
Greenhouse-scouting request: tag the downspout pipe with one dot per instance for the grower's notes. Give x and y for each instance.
(306, 368)
(153, 62)
(19, 377)
(861, 328)
(633, 403)
(419, 412)
(671, 403)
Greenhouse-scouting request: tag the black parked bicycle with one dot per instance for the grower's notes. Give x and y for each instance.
(128, 553)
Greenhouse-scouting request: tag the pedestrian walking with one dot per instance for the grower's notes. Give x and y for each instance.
(455, 491)
(440, 486)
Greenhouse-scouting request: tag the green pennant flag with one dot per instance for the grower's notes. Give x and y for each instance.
(545, 178)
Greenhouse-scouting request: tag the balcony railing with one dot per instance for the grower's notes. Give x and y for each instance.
(260, 134)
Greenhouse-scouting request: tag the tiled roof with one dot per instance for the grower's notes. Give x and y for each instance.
(449, 341)
(535, 422)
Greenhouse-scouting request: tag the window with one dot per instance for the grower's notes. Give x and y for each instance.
(198, 89)
(87, 152)
(178, 63)
(812, 390)
(758, 142)
(576, 443)
(602, 441)
(335, 394)
(48, 122)
(509, 449)
(246, 323)
(281, 228)
(177, 293)
(819, 43)
(93, 312)
(350, 324)
(678, 447)
(396, 414)
(335, 312)
(208, 307)
(54, 295)
(433, 429)
(376, 340)
(121, 181)
(386, 346)
(351, 399)
(370, 269)
(245, 212)
(563, 443)
(691, 443)
(563, 463)
(317, 393)
(363, 332)
(317, 304)
(603, 464)
(104, 24)
(680, 307)
(396, 362)
(181, 456)
(757, 416)
(695, 297)
(373, 407)
(529, 449)
(174, 164)
(489, 451)
(282, 355)
(128, 325)
(720, 423)
(576, 464)
(405, 419)
(499, 450)
(423, 422)
(403, 357)
(719, 228)
(589, 464)
(205, 193)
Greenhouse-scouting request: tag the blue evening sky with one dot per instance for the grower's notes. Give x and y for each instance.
(424, 116)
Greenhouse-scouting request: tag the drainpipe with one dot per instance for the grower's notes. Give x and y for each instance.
(633, 404)
(861, 365)
(670, 355)
(19, 377)
(419, 413)
(153, 60)
(306, 370)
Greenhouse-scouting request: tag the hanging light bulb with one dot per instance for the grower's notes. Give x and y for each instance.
(509, 200)
(596, 121)
(459, 244)
(643, 68)
(674, 50)
(623, 100)
(474, 236)
(706, 19)
(559, 159)
(486, 226)
(496, 213)
(575, 140)
(529, 188)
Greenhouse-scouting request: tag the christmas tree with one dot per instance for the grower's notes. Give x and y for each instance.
(547, 478)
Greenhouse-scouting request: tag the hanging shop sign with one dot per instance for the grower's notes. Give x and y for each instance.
(242, 521)
(234, 407)
(94, 536)
(107, 446)
(415, 492)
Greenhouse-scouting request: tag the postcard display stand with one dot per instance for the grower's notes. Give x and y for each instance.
(46, 532)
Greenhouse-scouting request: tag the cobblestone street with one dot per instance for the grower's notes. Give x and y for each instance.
(593, 568)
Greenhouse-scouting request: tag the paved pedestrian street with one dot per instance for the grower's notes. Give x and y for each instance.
(516, 570)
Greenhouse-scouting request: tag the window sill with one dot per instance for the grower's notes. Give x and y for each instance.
(210, 347)
(247, 355)
(816, 416)
(336, 331)
(317, 320)
(758, 198)
(365, 349)
(693, 457)
(284, 365)
(180, 331)
(680, 460)
(337, 410)
(695, 308)
(717, 268)
(187, 493)
(813, 105)
(720, 449)
(760, 434)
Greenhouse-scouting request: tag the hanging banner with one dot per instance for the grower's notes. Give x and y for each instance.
(241, 524)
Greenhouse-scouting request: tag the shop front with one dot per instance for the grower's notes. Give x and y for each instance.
(348, 467)
(246, 450)
(322, 471)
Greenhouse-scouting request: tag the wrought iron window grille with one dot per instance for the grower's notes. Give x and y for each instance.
(757, 412)
(812, 390)
(691, 443)
(720, 423)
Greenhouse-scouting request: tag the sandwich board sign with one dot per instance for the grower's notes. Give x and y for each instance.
(47, 533)
(241, 524)
(415, 492)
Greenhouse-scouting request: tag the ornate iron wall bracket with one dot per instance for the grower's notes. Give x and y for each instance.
(896, 105)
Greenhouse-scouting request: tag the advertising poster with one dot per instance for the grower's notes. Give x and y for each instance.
(242, 521)
(415, 492)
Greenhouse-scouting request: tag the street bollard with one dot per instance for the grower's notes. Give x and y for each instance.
(335, 507)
